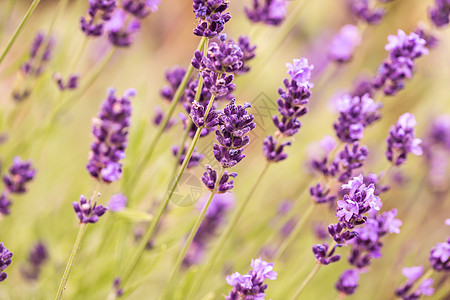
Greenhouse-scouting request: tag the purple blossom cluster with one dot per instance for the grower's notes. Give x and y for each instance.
(403, 50)
(251, 286)
(324, 255)
(110, 131)
(87, 211)
(36, 259)
(402, 141)
(15, 182)
(119, 20)
(5, 261)
(364, 10)
(413, 274)
(211, 16)
(440, 256)
(215, 217)
(174, 77)
(355, 114)
(348, 282)
(440, 13)
(195, 159)
(291, 106)
(270, 12)
(70, 84)
(344, 43)
(117, 202)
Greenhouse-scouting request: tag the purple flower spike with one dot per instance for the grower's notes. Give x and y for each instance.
(321, 195)
(20, 173)
(440, 256)
(251, 286)
(273, 151)
(324, 256)
(300, 72)
(249, 53)
(5, 204)
(99, 11)
(402, 140)
(351, 159)
(209, 178)
(363, 11)
(344, 43)
(413, 274)
(211, 17)
(36, 64)
(348, 282)
(195, 159)
(120, 32)
(86, 212)
(440, 13)
(403, 50)
(70, 84)
(117, 202)
(5, 261)
(222, 57)
(37, 257)
(174, 77)
(269, 12)
(110, 132)
(356, 113)
(140, 8)
(198, 116)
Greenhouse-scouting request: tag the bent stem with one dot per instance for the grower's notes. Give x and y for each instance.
(294, 233)
(306, 281)
(162, 207)
(180, 90)
(189, 240)
(19, 28)
(226, 234)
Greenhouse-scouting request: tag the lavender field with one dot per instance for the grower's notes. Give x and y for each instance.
(219, 149)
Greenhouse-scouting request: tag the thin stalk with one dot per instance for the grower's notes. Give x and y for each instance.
(294, 233)
(189, 240)
(306, 281)
(5, 16)
(162, 207)
(61, 5)
(226, 234)
(71, 262)
(19, 28)
(154, 143)
(73, 254)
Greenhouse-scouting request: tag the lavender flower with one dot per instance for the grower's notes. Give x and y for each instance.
(402, 141)
(274, 151)
(356, 113)
(351, 159)
(20, 173)
(344, 43)
(413, 274)
(248, 51)
(251, 286)
(323, 256)
(195, 159)
(440, 131)
(86, 212)
(110, 131)
(197, 115)
(403, 50)
(320, 194)
(39, 56)
(440, 256)
(5, 261)
(140, 8)
(117, 202)
(270, 12)
(348, 282)
(120, 30)
(214, 218)
(211, 17)
(159, 116)
(209, 178)
(362, 10)
(174, 77)
(223, 57)
(440, 13)
(70, 84)
(37, 257)
(99, 12)
(5, 204)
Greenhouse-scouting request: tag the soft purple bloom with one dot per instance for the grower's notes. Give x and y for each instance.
(328, 144)
(251, 286)
(211, 17)
(140, 8)
(350, 159)
(159, 116)
(5, 204)
(195, 159)
(35, 65)
(37, 257)
(117, 202)
(99, 12)
(402, 140)
(222, 57)
(439, 256)
(300, 72)
(413, 274)
(320, 194)
(440, 13)
(70, 84)
(120, 30)
(197, 115)
(324, 256)
(440, 131)
(88, 212)
(20, 173)
(356, 113)
(249, 53)
(209, 178)
(270, 12)
(174, 77)
(5, 261)
(110, 130)
(273, 151)
(363, 10)
(346, 209)
(344, 43)
(348, 282)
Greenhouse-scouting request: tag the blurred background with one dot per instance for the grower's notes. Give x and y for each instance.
(60, 154)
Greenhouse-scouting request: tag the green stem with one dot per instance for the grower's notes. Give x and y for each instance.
(162, 207)
(226, 234)
(189, 240)
(154, 143)
(61, 5)
(19, 28)
(71, 262)
(306, 281)
(294, 233)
